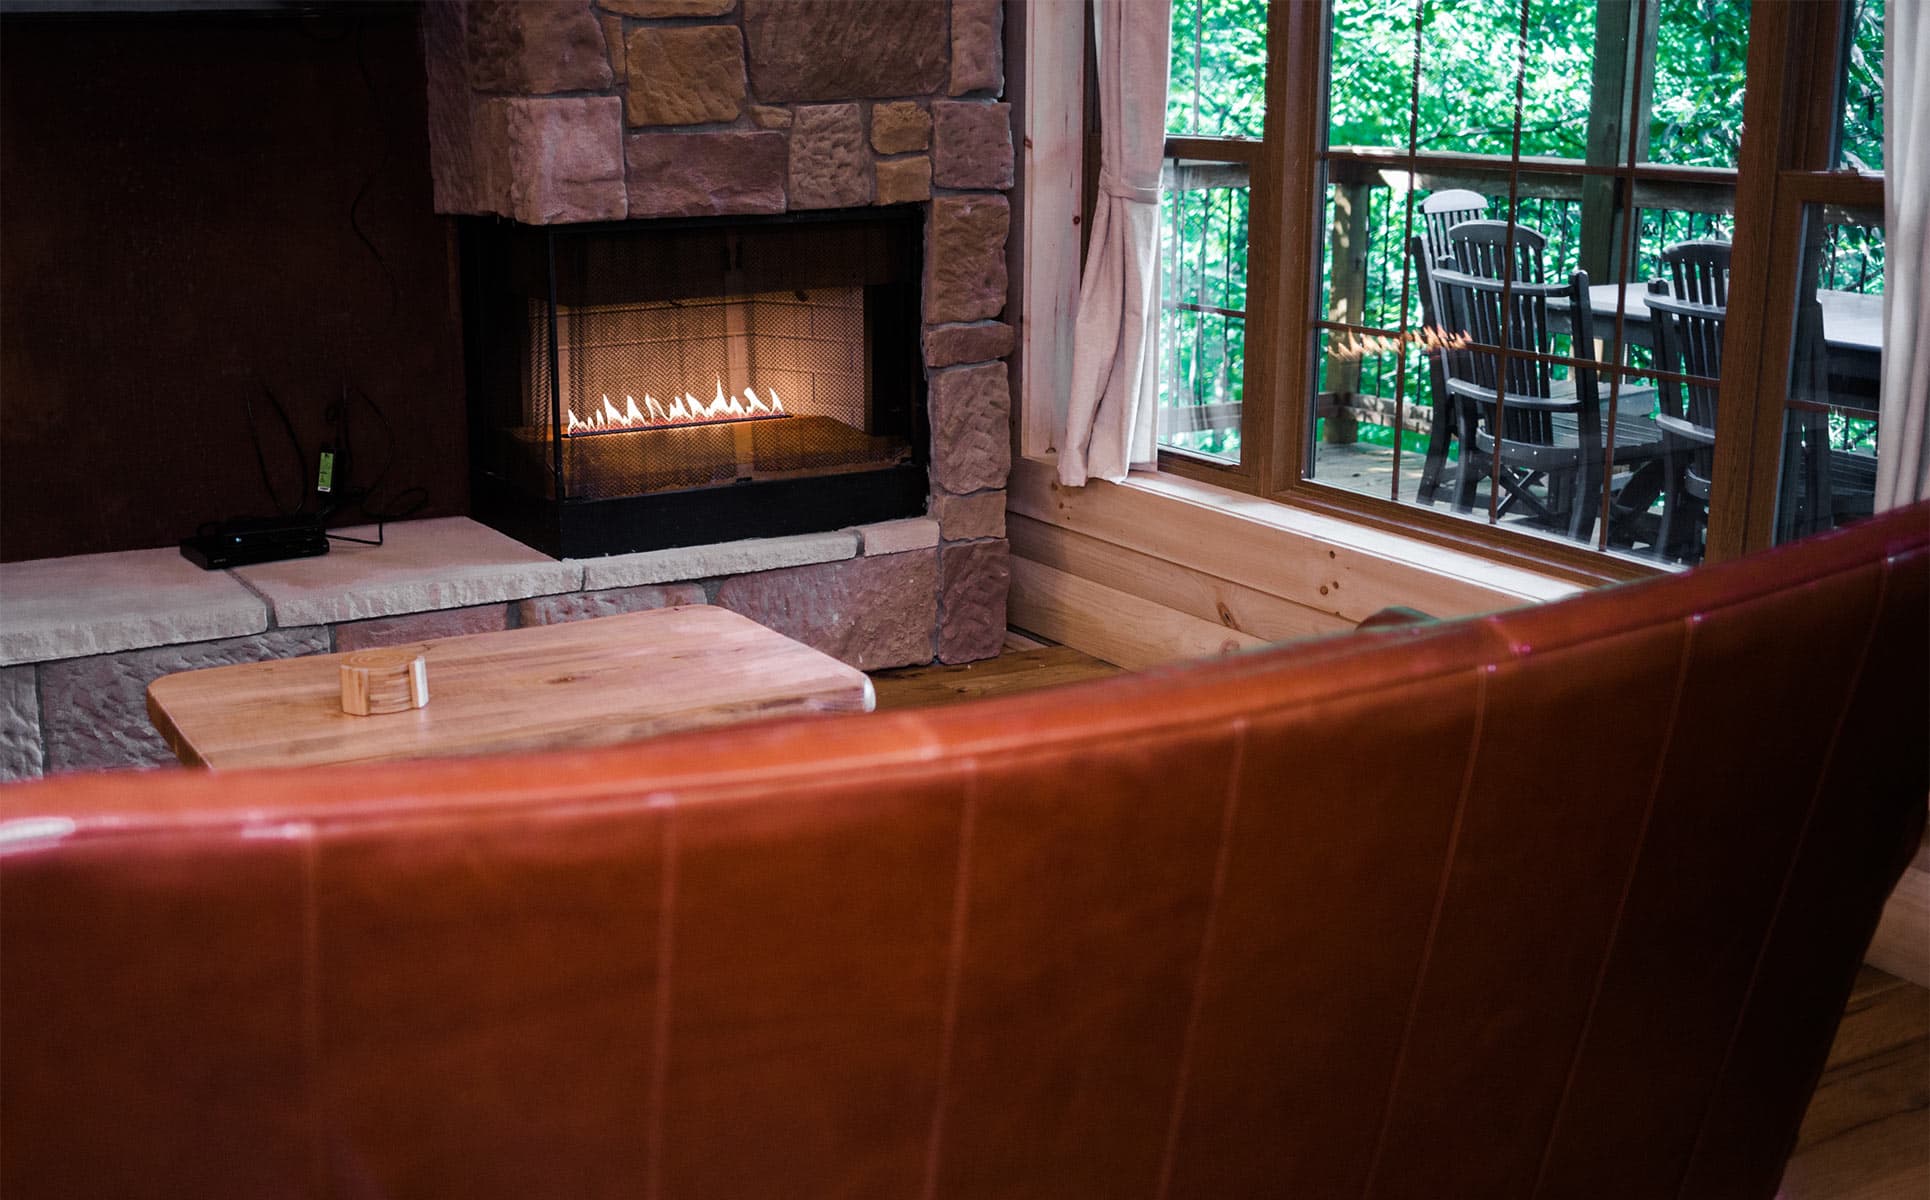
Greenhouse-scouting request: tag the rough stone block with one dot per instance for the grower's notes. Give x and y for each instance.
(653, 9)
(580, 606)
(965, 518)
(770, 116)
(971, 144)
(904, 180)
(899, 127)
(420, 627)
(971, 428)
(829, 165)
(870, 612)
(978, 59)
(974, 578)
(536, 49)
(685, 75)
(897, 537)
(452, 109)
(965, 261)
(96, 708)
(19, 725)
(613, 41)
(976, 341)
(705, 174)
(552, 160)
(835, 49)
(722, 558)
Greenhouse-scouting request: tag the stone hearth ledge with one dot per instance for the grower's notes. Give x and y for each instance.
(868, 595)
(62, 608)
(444, 562)
(724, 558)
(101, 603)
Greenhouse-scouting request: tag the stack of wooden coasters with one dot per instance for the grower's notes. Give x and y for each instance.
(385, 681)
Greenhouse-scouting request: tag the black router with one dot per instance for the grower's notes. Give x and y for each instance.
(240, 543)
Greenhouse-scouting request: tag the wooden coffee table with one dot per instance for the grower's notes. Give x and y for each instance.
(585, 683)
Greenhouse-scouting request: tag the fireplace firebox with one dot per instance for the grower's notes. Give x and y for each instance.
(637, 386)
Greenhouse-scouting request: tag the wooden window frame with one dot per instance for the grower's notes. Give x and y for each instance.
(1790, 110)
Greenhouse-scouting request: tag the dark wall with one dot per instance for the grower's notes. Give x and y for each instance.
(178, 228)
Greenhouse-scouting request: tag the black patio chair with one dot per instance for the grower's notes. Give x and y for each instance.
(1687, 337)
(1440, 212)
(1481, 247)
(1549, 439)
(1698, 272)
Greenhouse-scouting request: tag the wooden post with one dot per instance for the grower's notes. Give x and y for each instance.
(1613, 101)
(1347, 252)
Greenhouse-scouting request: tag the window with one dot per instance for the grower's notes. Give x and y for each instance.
(1427, 302)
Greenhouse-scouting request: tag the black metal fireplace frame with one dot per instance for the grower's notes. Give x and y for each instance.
(573, 527)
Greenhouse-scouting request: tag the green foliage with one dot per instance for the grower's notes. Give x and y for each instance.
(1217, 85)
(1486, 79)
(1863, 89)
(1471, 52)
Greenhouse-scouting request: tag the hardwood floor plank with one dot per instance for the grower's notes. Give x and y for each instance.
(1879, 1021)
(1011, 672)
(1860, 1093)
(1883, 1160)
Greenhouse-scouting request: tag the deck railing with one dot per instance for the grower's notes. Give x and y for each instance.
(1204, 242)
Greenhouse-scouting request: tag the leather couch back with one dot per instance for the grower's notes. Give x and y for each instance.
(1562, 901)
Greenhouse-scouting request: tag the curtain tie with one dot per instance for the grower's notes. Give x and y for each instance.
(1111, 186)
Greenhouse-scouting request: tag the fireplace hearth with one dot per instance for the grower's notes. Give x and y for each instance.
(637, 386)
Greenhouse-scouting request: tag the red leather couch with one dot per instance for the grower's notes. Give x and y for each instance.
(1559, 902)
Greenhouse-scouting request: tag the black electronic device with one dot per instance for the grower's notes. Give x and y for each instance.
(239, 543)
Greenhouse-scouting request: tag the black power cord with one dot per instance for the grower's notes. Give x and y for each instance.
(402, 505)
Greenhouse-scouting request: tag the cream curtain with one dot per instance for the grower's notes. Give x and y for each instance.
(1111, 408)
(1903, 430)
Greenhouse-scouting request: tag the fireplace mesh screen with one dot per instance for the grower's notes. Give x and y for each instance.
(689, 393)
(806, 347)
(626, 363)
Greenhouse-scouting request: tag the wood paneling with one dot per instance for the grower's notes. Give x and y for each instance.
(1047, 265)
(1111, 624)
(197, 208)
(1191, 592)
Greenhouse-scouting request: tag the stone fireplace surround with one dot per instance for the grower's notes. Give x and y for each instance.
(570, 111)
(602, 110)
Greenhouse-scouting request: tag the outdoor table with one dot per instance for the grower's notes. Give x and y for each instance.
(1852, 324)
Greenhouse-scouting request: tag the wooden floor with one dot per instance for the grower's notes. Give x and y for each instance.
(1867, 1133)
(1024, 665)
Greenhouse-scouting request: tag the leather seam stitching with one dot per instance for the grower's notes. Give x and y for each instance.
(1481, 677)
(1208, 934)
(1782, 893)
(1621, 904)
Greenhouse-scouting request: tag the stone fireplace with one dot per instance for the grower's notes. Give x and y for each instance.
(650, 113)
(305, 229)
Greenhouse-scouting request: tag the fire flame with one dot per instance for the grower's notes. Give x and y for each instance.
(682, 410)
(1347, 346)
